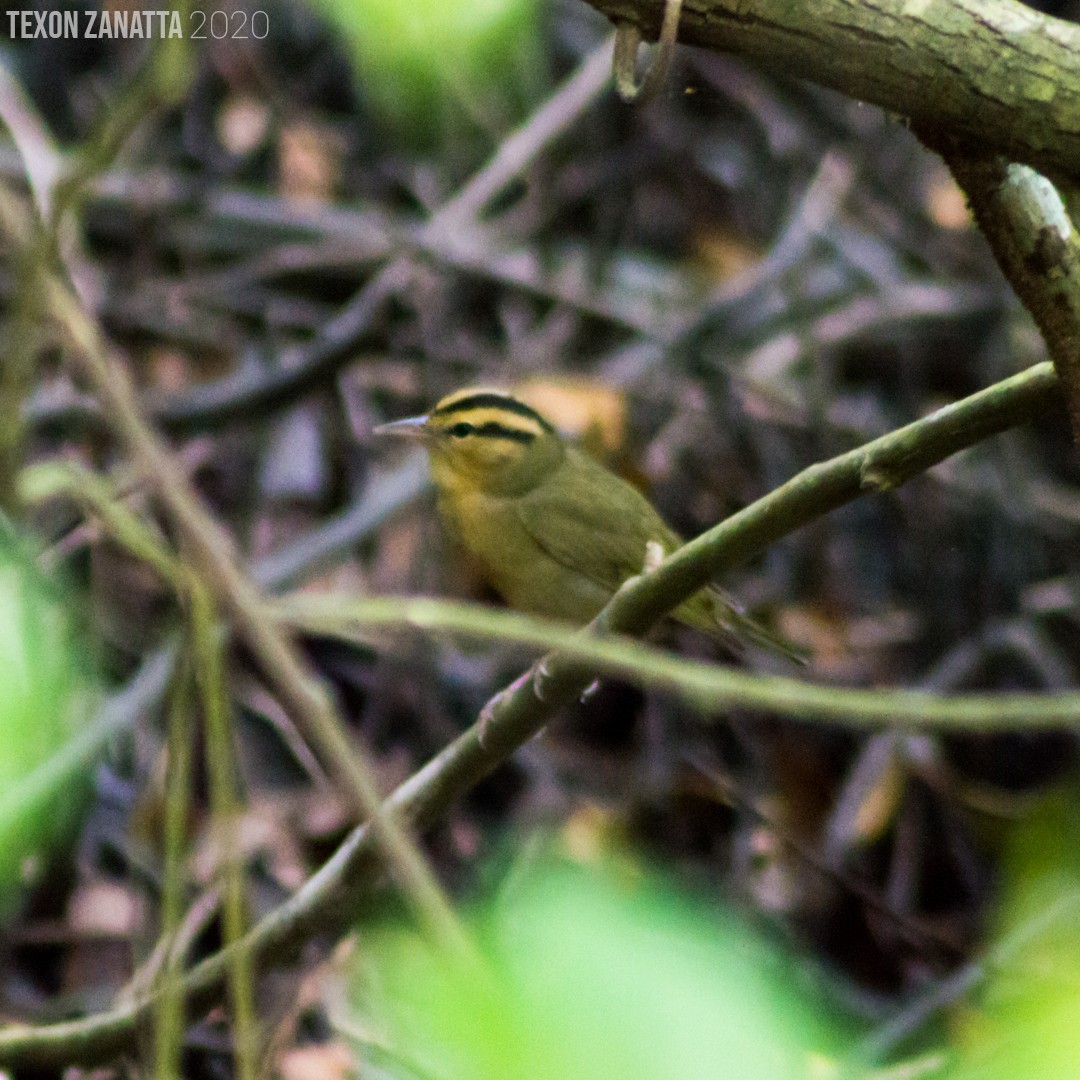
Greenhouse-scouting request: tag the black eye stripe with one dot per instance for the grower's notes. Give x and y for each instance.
(491, 430)
(493, 401)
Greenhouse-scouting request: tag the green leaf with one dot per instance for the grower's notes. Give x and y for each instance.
(1029, 1020)
(39, 697)
(594, 978)
(432, 69)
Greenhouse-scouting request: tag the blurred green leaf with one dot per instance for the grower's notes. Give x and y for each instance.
(590, 977)
(1029, 1021)
(433, 69)
(39, 700)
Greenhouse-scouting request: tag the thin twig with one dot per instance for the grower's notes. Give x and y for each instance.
(305, 366)
(208, 671)
(709, 688)
(210, 550)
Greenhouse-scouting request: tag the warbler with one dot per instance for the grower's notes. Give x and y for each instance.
(555, 532)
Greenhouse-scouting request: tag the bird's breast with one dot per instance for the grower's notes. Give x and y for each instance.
(516, 566)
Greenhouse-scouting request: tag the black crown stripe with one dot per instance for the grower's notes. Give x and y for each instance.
(493, 401)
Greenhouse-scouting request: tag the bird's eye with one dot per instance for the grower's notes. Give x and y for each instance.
(459, 431)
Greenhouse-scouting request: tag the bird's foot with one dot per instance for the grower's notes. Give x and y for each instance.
(654, 556)
(541, 674)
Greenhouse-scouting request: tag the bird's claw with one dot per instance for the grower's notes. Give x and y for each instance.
(654, 556)
(541, 673)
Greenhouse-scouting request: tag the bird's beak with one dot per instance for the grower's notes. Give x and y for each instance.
(413, 427)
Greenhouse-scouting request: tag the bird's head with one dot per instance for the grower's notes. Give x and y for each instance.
(484, 439)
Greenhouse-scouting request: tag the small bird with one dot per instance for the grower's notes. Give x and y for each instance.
(554, 531)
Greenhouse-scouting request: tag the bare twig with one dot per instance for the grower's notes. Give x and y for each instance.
(305, 366)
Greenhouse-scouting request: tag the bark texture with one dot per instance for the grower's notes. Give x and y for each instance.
(991, 73)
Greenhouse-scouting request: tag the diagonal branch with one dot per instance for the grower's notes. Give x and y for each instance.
(323, 903)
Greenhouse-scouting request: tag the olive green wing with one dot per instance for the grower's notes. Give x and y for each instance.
(600, 527)
(590, 521)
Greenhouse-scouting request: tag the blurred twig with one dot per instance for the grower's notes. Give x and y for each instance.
(210, 550)
(208, 668)
(169, 1015)
(709, 688)
(160, 81)
(453, 228)
(39, 160)
(385, 495)
(97, 495)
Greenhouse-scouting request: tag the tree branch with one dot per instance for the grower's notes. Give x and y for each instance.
(989, 72)
(1032, 236)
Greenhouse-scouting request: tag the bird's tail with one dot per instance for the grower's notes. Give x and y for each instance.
(723, 618)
